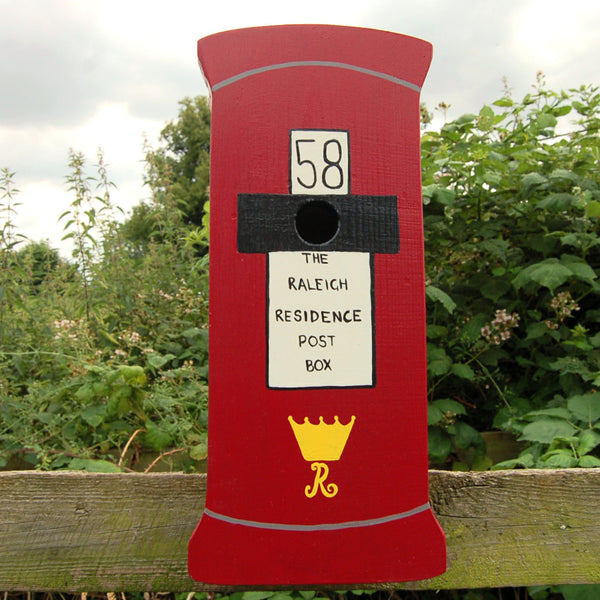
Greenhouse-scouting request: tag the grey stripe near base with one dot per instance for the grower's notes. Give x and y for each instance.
(315, 63)
(320, 526)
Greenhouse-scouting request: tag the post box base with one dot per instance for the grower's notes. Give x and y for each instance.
(409, 548)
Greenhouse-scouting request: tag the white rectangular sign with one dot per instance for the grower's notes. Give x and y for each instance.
(319, 161)
(320, 331)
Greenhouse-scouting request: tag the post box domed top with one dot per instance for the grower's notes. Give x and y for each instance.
(231, 56)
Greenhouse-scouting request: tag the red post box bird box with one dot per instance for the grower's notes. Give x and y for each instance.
(317, 463)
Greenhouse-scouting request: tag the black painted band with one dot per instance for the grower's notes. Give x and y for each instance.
(267, 223)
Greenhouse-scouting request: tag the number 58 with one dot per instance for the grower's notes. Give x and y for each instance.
(319, 162)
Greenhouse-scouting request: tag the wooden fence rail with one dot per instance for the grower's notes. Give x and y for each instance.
(77, 532)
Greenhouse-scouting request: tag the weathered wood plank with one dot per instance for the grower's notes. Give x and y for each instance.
(105, 532)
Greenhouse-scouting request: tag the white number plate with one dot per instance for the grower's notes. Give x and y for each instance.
(319, 162)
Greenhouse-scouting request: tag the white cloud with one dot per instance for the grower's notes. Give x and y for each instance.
(42, 200)
(39, 206)
(99, 73)
(548, 33)
(170, 31)
(117, 133)
(559, 40)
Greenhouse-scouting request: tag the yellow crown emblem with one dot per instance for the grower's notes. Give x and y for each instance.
(323, 441)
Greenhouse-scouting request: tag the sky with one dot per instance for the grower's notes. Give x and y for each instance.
(87, 74)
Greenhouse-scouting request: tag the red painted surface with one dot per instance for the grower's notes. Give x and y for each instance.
(256, 472)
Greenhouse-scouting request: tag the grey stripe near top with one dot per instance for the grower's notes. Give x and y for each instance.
(315, 63)
(320, 526)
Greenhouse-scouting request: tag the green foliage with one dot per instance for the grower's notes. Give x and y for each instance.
(337, 595)
(565, 434)
(568, 592)
(184, 160)
(511, 208)
(39, 260)
(104, 359)
(11, 272)
(177, 174)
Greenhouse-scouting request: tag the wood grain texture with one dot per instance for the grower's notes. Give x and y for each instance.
(78, 532)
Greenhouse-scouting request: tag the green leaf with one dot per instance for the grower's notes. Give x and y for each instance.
(585, 407)
(440, 445)
(546, 120)
(531, 180)
(558, 412)
(571, 239)
(524, 461)
(481, 462)
(93, 466)
(497, 247)
(580, 592)
(589, 462)
(440, 194)
(436, 295)
(466, 436)
(564, 174)
(439, 331)
(85, 393)
(458, 465)
(561, 442)
(120, 401)
(569, 364)
(257, 595)
(492, 356)
(282, 596)
(195, 334)
(199, 451)
(471, 330)
(561, 111)
(592, 209)
(486, 119)
(156, 438)
(434, 414)
(559, 459)
(549, 273)
(107, 336)
(588, 440)
(495, 288)
(93, 415)
(133, 375)
(157, 361)
(46, 417)
(537, 330)
(466, 118)
(463, 371)
(19, 365)
(444, 196)
(545, 430)
(578, 267)
(438, 362)
(556, 202)
(446, 405)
